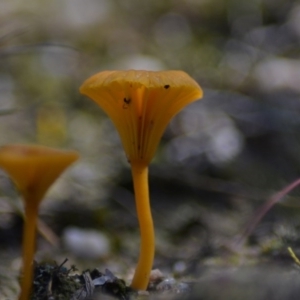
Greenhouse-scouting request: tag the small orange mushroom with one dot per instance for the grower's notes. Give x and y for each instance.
(33, 169)
(141, 104)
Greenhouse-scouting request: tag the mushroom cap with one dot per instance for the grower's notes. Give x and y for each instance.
(34, 168)
(141, 104)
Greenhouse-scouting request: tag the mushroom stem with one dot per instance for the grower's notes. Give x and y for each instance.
(147, 248)
(29, 242)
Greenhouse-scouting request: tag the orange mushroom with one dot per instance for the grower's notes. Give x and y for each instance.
(141, 104)
(33, 169)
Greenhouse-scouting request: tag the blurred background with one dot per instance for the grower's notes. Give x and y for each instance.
(219, 160)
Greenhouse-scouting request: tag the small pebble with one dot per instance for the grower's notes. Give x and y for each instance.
(143, 293)
(156, 275)
(89, 244)
(166, 284)
(183, 288)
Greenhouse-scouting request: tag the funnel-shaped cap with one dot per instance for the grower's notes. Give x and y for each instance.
(34, 168)
(141, 104)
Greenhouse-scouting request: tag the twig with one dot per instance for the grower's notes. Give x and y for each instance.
(263, 210)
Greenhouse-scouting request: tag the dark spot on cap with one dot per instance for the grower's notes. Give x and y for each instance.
(127, 101)
(166, 86)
